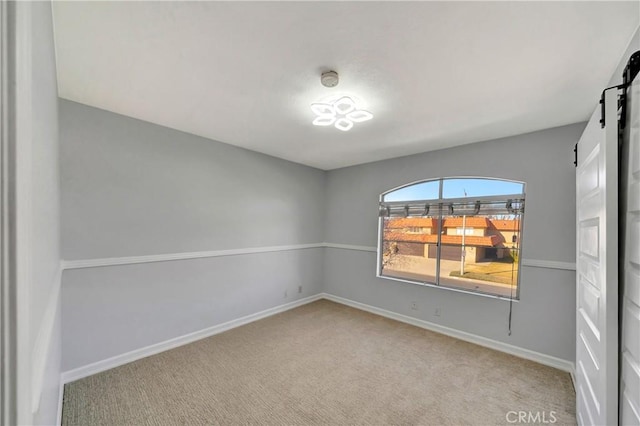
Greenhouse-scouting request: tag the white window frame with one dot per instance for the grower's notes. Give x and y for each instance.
(444, 202)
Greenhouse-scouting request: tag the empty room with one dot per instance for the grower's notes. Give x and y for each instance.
(320, 212)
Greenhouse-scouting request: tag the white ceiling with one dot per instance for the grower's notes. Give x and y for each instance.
(434, 74)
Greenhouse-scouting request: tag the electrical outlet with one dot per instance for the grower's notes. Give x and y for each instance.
(437, 312)
(299, 289)
(414, 306)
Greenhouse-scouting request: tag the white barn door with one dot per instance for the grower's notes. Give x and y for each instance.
(630, 318)
(597, 269)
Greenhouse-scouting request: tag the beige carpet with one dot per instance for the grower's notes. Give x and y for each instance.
(324, 364)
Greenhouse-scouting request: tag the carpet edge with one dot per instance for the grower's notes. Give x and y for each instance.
(156, 348)
(544, 359)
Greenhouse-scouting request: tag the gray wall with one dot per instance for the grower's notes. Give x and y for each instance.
(544, 318)
(45, 213)
(131, 188)
(110, 311)
(634, 45)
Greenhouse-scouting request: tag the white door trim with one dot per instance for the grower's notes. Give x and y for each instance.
(597, 269)
(7, 330)
(23, 192)
(630, 261)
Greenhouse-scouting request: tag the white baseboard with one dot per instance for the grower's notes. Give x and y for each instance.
(551, 361)
(118, 360)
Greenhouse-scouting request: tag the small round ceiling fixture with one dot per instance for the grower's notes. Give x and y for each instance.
(329, 79)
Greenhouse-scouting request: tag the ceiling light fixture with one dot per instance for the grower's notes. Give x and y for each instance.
(342, 112)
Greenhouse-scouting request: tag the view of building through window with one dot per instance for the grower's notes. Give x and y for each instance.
(459, 233)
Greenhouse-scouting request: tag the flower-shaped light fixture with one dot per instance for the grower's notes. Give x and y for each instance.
(342, 113)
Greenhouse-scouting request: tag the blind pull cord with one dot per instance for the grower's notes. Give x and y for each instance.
(518, 220)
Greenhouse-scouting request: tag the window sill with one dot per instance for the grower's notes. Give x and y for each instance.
(457, 290)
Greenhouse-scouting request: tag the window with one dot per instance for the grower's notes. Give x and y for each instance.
(467, 231)
(416, 230)
(459, 233)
